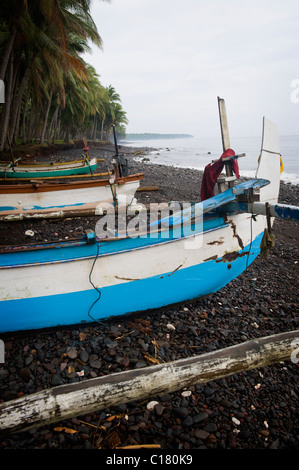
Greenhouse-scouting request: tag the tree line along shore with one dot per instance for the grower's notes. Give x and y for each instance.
(50, 93)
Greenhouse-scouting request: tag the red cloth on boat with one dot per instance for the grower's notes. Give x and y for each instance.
(212, 171)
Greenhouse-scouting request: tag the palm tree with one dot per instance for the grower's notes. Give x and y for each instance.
(109, 118)
(40, 48)
(120, 117)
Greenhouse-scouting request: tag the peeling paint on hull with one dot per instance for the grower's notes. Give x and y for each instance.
(65, 294)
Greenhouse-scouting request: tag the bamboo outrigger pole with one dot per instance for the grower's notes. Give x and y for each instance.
(66, 401)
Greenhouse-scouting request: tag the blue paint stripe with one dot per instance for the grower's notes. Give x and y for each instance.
(38, 208)
(135, 296)
(285, 211)
(67, 251)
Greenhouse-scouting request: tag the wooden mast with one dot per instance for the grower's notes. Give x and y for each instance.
(225, 144)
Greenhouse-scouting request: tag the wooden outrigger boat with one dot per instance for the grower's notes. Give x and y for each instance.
(186, 256)
(14, 170)
(54, 199)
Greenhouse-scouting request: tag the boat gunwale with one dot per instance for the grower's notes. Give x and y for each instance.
(37, 166)
(41, 164)
(55, 186)
(84, 243)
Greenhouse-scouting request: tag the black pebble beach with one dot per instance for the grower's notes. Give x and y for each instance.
(257, 409)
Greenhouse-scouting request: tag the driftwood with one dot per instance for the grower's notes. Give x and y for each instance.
(66, 401)
(148, 188)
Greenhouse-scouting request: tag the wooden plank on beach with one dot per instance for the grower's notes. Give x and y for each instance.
(70, 400)
(148, 188)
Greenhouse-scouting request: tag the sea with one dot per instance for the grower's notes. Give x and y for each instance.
(193, 152)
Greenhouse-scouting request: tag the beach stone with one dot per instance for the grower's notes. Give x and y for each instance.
(84, 355)
(159, 409)
(25, 374)
(28, 360)
(125, 362)
(72, 353)
(180, 412)
(201, 434)
(96, 364)
(151, 405)
(115, 330)
(200, 417)
(140, 364)
(244, 434)
(188, 421)
(112, 344)
(166, 397)
(184, 403)
(56, 380)
(210, 427)
(208, 391)
(4, 373)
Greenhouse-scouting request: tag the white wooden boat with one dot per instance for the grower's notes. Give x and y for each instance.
(50, 199)
(181, 259)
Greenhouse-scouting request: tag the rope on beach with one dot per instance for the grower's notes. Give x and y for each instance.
(95, 287)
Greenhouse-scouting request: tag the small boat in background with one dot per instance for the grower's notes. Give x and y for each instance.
(14, 170)
(50, 197)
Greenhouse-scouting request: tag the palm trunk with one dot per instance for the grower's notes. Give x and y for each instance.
(36, 125)
(6, 108)
(46, 117)
(53, 123)
(24, 133)
(6, 55)
(102, 129)
(18, 100)
(31, 121)
(17, 126)
(95, 127)
(67, 134)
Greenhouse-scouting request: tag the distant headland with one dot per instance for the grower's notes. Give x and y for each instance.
(152, 136)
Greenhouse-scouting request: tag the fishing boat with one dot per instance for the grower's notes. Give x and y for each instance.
(18, 170)
(51, 198)
(181, 257)
(42, 199)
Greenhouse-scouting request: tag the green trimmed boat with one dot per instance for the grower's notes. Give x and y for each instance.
(13, 170)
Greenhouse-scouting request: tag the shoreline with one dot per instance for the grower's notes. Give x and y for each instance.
(256, 409)
(73, 150)
(173, 183)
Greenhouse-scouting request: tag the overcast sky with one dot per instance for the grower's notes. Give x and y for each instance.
(170, 59)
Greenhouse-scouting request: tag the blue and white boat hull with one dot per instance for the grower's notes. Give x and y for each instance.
(78, 282)
(52, 287)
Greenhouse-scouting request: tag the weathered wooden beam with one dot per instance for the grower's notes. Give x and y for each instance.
(148, 188)
(59, 214)
(70, 213)
(66, 401)
(223, 125)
